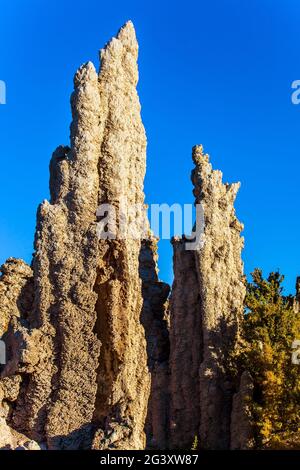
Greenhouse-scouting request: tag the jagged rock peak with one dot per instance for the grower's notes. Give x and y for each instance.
(120, 55)
(84, 73)
(206, 311)
(127, 35)
(205, 178)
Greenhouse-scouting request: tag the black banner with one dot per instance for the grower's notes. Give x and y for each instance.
(137, 459)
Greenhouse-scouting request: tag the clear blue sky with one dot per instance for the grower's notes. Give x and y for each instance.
(212, 72)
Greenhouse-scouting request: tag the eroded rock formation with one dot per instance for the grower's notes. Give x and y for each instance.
(97, 358)
(12, 440)
(88, 368)
(123, 376)
(60, 392)
(206, 310)
(16, 292)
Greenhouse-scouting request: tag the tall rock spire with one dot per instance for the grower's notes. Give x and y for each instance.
(206, 310)
(60, 395)
(123, 376)
(90, 371)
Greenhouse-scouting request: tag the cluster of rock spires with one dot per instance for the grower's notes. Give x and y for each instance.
(99, 356)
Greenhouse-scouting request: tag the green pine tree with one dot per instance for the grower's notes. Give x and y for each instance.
(270, 327)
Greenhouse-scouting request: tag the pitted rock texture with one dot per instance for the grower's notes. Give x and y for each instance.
(60, 393)
(87, 370)
(16, 292)
(206, 311)
(12, 440)
(96, 357)
(123, 375)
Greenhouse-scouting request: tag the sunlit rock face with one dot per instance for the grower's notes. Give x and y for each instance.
(97, 356)
(123, 378)
(86, 381)
(206, 311)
